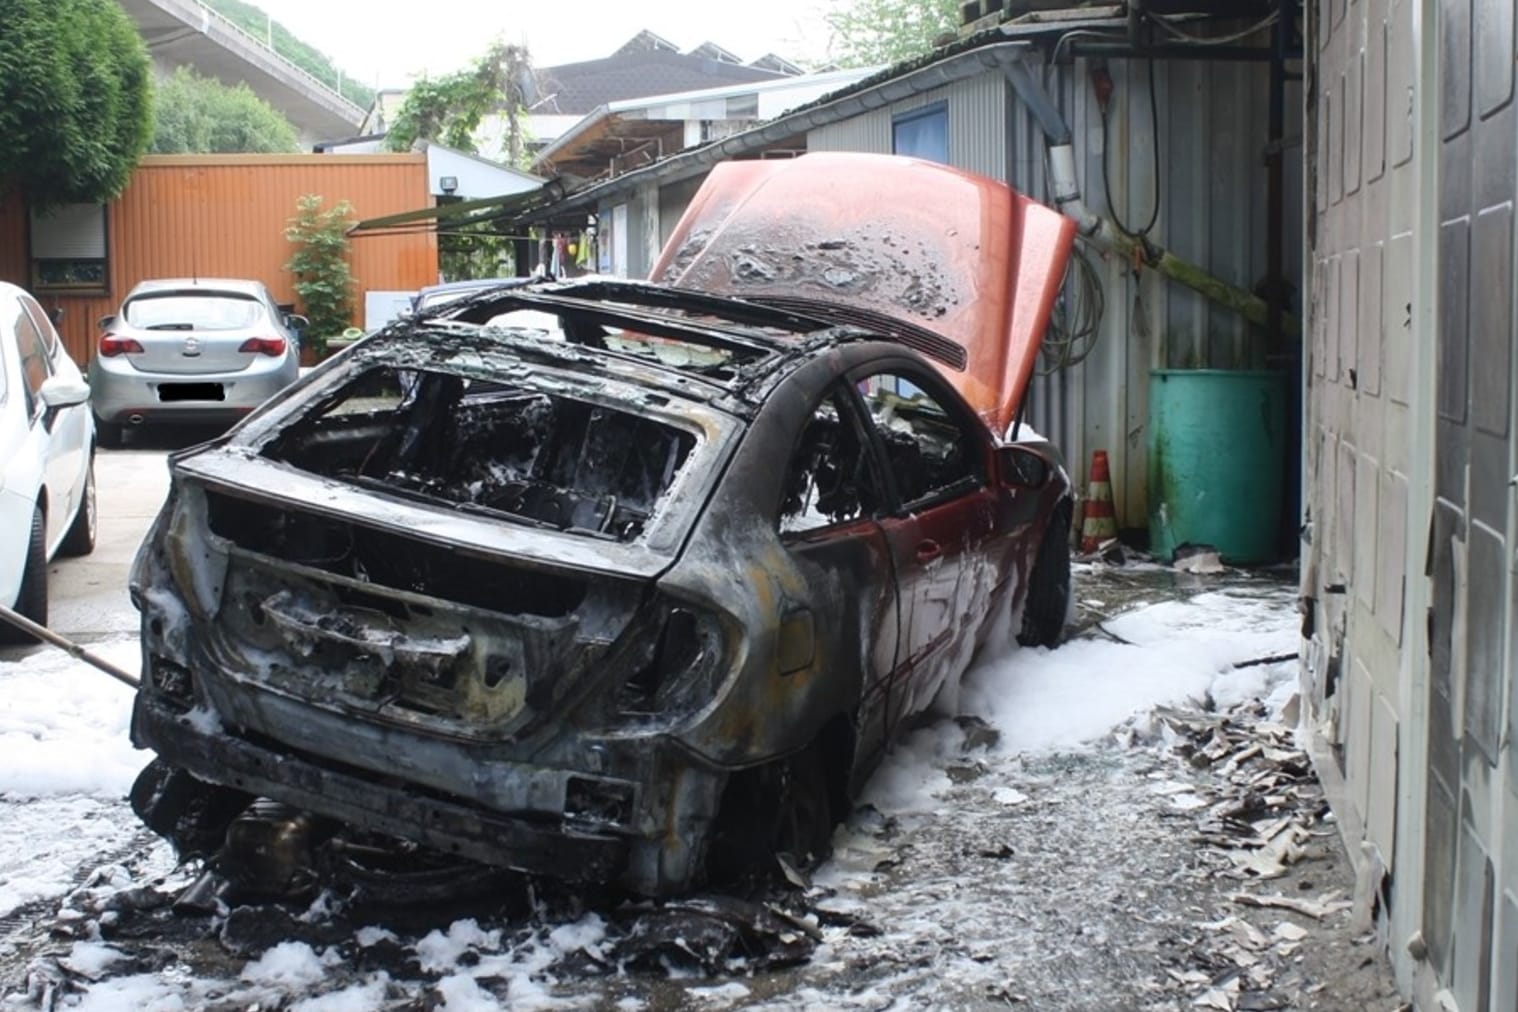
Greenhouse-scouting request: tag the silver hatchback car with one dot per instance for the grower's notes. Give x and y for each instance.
(190, 350)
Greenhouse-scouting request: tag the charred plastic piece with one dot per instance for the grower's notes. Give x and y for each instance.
(190, 813)
(270, 850)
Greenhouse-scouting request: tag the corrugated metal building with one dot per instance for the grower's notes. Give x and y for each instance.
(1212, 138)
(212, 216)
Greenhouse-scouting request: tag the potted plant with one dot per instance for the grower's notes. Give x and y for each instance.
(323, 280)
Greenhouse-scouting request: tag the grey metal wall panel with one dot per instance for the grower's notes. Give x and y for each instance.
(1211, 211)
(977, 125)
(868, 132)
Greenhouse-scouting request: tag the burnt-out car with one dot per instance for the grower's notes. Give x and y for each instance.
(639, 598)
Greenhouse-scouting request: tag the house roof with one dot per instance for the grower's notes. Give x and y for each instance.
(779, 64)
(620, 126)
(646, 65)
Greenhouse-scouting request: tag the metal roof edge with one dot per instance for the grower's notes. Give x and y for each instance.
(574, 133)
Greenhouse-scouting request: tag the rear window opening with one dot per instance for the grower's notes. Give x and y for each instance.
(193, 311)
(492, 447)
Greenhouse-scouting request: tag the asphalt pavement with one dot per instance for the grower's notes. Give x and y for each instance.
(88, 599)
(88, 595)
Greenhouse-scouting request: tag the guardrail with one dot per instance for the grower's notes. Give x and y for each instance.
(210, 14)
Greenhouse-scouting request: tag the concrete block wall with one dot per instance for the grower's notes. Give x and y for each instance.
(1408, 567)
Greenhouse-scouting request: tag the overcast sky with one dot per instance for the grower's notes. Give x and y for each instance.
(388, 42)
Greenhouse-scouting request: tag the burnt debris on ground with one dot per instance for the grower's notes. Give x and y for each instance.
(1187, 860)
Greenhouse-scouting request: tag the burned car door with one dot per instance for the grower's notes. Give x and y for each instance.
(832, 498)
(934, 454)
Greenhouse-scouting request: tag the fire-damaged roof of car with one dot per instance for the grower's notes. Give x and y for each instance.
(722, 343)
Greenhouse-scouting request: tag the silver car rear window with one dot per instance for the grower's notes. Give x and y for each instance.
(197, 311)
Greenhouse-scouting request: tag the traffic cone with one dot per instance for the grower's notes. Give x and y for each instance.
(1100, 523)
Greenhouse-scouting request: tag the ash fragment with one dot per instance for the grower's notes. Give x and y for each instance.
(251, 930)
(713, 934)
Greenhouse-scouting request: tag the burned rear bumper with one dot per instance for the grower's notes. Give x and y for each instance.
(452, 827)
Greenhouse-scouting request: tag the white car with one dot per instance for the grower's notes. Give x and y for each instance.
(47, 440)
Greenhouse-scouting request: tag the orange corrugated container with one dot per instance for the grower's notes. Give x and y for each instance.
(225, 216)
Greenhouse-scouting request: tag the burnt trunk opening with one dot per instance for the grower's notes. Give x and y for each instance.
(484, 446)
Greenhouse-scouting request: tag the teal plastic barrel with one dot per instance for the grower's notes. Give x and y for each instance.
(1216, 461)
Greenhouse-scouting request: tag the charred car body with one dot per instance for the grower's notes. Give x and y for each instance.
(639, 596)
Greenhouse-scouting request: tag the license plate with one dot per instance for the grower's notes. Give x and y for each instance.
(191, 392)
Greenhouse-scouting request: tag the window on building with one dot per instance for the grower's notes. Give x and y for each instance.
(68, 250)
(922, 133)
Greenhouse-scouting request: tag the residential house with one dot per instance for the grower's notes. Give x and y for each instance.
(567, 93)
(619, 136)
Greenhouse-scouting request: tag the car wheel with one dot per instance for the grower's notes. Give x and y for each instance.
(32, 599)
(108, 434)
(783, 808)
(1048, 604)
(804, 810)
(80, 540)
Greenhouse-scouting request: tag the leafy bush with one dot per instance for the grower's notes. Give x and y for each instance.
(75, 99)
(198, 115)
(449, 109)
(323, 280)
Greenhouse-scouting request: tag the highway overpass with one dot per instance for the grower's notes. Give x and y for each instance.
(188, 33)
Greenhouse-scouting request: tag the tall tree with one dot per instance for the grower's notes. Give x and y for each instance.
(75, 99)
(449, 109)
(869, 32)
(198, 115)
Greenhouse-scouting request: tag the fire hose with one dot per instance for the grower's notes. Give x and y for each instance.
(67, 645)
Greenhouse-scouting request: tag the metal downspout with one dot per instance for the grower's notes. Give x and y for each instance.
(1275, 185)
(1414, 974)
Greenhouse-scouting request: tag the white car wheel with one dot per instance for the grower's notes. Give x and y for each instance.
(80, 540)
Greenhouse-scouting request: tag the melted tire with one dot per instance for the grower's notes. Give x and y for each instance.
(1048, 603)
(782, 808)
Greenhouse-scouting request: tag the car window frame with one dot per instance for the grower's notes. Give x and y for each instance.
(957, 411)
(5, 369)
(848, 414)
(50, 336)
(33, 397)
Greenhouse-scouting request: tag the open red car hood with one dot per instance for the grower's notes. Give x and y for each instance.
(959, 254)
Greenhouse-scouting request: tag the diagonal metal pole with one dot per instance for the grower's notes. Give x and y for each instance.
(67, 645)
